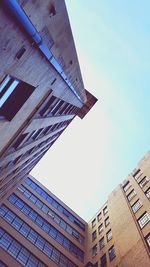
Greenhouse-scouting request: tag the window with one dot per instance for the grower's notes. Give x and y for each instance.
(144, 181)
(94, 250)
(147, 193)
(13, 94)
(99, 216)
(103, 261)
(147, 239)
(16, 250)
(109, 235)
(137, 174)
(93, 223)
(107, 222)
(105, 210)
(131, 195)
(143, 220)
(101, 243)
(48, 211)
(100, 228)
(54, 203)
(112, 253)
(53, 232)
(94, 235)
(136, 206)
(55, 255)
(126, 186)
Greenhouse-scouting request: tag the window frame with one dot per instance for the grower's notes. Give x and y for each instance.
(112, 250)
(143, 217)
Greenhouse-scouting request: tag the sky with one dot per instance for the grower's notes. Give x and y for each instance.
(94, 155)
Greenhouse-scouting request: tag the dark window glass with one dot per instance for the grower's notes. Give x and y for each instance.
(103, 261)
(112, 253)
(94, 235)
(13, 94)
(101, 243)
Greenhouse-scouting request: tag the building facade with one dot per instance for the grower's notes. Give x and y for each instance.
(119, 233)
(34, 220)
(38, 229)
(41, 87)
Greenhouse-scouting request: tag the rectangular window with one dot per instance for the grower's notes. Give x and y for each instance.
(94, 235)
(144, 181)
(93, 223)
(105, 210)
(107, 221)
(103, 261)
(131, 195)
(16, 250)
(48, 249)
(147, 239)
(126, 186)
(100, 228)
(112, 253)
(99, 216)
(136, 206)
(94, 251)
(143, 220)
(137, 174)
(25, 229)
(109, 235)
(13, 94)
(101, 243)
(147, 193)
(32, 236)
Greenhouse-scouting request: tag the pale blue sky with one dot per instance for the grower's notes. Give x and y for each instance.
(95, 154)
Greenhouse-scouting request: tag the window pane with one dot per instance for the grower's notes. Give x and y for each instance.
(131, 195)
(94, 250)
(136, 206)
(112, 253)
(101, 243)
(143, 220)
(109, 235)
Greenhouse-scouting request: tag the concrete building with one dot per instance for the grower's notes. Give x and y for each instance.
(38, 229)
(41, 87)
(41, 92)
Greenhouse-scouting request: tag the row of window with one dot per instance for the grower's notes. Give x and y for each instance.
(133, 193)
(14, 93)
(36, 239)
(54, 203)
(142, 182)
(99, 216)
(45, 146)
(46, 227)
(29, 162)
(55, 106)
(37, 134)
(12, 180)
(100, 228)
(18, 251)
(102, 242)
(22, 139)
(57, 219)
(145, 217)
(8, 167)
